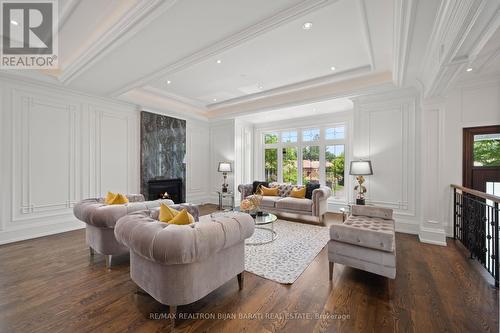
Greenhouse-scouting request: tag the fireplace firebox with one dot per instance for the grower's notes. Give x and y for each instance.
(166, 189)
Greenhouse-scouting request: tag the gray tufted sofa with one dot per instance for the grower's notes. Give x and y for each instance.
(100, 221)
(180, 264)
(366, 240)
(312, 210)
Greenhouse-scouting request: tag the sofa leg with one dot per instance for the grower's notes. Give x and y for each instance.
(241, 280)
(108, 258)
(172, 315)
(92, 252)
(331, 270)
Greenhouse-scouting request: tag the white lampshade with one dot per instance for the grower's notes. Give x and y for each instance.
(224, 167)
(361, 168)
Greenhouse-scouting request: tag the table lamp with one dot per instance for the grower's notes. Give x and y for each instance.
(360, 169)
(224, 167)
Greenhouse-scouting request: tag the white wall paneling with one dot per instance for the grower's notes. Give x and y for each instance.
(385, 133)
(434, 192)
(57, 148)
(197, 158)
(243, 140)
(222, 148)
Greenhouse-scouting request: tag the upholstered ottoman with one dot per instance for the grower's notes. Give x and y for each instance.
(366, 240)
(100, 221)
(180, 264)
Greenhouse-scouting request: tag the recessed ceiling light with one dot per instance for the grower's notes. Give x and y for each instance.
(260, 86)
(307, 26)
(469, 69)
(332, 68)
(219, 61)
(168, 81)
(215, 99)
(14, 22)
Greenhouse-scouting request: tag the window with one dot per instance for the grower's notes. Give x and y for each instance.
(310, 134)
(290, 169)
(335, 170)
(289, 136)
(334, 133)
(271, 165)
(486, 150)
(271, 138)
(310, 155)
(310, 165)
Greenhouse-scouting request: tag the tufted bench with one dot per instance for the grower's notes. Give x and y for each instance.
(180, 264)
(366, 240)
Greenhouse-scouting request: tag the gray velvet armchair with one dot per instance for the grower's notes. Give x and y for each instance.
(100, 221)
(180, 264)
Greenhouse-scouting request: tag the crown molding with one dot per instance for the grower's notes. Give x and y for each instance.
(151, 99)
(368, 84)
(143, 13)
(366, 33)
(294, 87)
(187, 104)
(404, 20)
(455, 21)
(485, 36)
(189, 101)
(33, 79)
(249, 33)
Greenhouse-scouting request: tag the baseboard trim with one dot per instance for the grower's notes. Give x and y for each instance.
(10, 236)
(405, 226)
(432, 236)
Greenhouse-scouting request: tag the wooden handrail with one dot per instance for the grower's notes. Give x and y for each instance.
(480, 194)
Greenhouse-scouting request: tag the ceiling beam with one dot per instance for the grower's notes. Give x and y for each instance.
(404, 20)
(366, 33)
(295, 87)
(249, 33)
(352, 87)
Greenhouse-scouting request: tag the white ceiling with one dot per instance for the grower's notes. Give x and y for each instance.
(487, 62)
(129, 49)
(286, 55)
(300, 111)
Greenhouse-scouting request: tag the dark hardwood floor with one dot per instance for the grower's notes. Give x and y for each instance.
(50, 285)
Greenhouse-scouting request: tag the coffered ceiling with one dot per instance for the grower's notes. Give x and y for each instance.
(223, 57)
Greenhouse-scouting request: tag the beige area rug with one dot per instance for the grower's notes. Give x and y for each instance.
(284, 259)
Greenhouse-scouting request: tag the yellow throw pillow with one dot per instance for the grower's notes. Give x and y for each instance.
(115, 199)
(183, 217)
(298, 193)
(266, 191)
(167, 213)
(109, 198)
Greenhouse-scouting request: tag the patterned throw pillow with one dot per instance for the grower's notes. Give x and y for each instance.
(284, 190)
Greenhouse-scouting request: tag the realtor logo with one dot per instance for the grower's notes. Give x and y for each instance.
(28, 34)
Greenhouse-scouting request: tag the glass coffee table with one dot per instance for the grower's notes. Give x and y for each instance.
(264, 230)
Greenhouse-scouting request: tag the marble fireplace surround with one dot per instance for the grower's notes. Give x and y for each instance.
(163, 149)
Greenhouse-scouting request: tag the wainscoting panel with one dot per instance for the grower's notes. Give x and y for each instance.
(45, 182)
(114, 153)
(197, 161)
(60, 147)
(384, 132)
